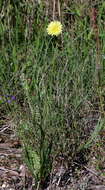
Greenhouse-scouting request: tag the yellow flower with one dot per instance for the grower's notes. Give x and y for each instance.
(54, 28)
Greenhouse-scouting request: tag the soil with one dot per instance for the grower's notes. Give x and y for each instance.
(14, 174)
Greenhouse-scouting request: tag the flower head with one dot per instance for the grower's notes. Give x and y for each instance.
(54, 28)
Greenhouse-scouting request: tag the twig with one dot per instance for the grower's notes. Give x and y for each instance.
(59, 12)
(94, 172)
(53, 9)
(5, 127)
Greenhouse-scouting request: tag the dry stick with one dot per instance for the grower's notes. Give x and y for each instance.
(47, 7)
(99, 67)
(53, 9)
(96, 31)
(59, 12)
(94, 173)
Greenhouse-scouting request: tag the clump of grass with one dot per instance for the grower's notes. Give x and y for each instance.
(53, 78)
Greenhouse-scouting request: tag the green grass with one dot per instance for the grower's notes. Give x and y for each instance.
(55, 80)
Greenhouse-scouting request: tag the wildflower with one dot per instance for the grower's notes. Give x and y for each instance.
(10, 100)
(7, 98)
(54, 28)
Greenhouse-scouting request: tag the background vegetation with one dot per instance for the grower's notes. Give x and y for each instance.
(54, 87)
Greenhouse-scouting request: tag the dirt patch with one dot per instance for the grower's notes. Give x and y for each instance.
(78, 175)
